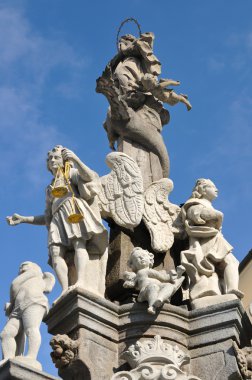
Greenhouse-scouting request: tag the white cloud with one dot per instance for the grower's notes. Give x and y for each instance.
(28, 61)
(216, 63)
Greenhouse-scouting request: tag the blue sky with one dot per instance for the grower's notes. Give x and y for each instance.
(52, 51)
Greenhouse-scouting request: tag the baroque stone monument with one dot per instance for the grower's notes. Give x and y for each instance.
(155, 297)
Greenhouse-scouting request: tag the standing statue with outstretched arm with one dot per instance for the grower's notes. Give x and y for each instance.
(88, 236)
(74, 218)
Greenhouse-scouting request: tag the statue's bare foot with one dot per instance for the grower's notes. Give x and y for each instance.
(78, 284)
(62, 294)
(151, 310)
(3, 361)
(237, 292)
(158, 303)
(188, 106)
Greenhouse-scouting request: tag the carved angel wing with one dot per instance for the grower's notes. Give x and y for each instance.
(49, 281)
(161, 217)
(121, 196)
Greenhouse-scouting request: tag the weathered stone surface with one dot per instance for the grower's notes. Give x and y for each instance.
(215, 361)
(105, 330)
(14, 370)
(212, 300)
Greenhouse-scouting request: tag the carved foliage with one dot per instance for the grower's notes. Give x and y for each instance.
(244, 359)
(154, 359)
(65, 350)
(161, 217)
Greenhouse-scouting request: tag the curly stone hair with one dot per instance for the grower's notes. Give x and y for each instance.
(139, 249)
(199, 188)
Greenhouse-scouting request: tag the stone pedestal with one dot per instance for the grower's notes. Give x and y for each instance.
(13, 370)
(104, 330)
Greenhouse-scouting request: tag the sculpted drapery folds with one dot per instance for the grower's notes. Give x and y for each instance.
(209, 262)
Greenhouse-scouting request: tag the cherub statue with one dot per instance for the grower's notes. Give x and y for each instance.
(159, 89)
(118, 195)
(27, 307)
(209, 262)
(156, 287)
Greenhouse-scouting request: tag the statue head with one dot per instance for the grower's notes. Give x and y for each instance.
(125, 42)
(54, 158)
(140, 259)
(205, 188)
(28, 265)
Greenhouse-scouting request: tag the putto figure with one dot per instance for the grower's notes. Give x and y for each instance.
(156, 287)
(161, 92)
(118, 195)
(209, 262)
(27, 307)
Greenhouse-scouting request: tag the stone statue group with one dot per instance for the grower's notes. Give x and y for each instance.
(78, 249)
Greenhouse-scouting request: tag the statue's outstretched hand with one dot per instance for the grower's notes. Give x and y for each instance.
(15, 219)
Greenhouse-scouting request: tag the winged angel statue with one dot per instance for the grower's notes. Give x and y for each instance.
(118, 195)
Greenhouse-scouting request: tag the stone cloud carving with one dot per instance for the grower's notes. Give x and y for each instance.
(155, 287)
(27, 307)
(154, 359)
